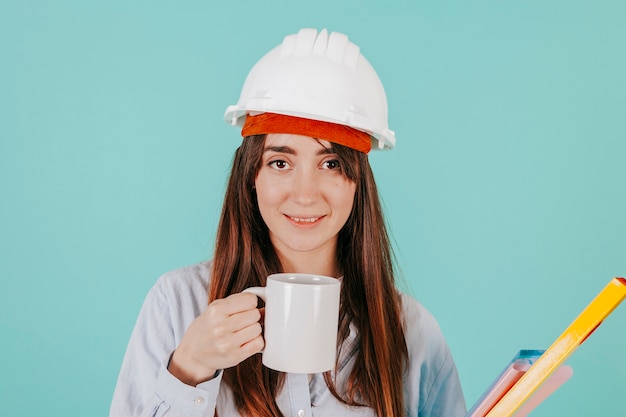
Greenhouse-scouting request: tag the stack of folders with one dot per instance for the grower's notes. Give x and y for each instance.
(518, 366)
(533, 375)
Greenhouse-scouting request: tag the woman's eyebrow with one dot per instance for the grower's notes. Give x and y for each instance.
(291, 151)
(279, 149)
(325, 150)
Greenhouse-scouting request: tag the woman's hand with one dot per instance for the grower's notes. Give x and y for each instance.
(224, 335)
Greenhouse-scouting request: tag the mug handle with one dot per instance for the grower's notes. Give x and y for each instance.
(258, 291)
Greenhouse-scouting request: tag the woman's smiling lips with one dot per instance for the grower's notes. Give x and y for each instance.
(304, 220)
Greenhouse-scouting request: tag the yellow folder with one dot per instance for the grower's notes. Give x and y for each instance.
(590, 318)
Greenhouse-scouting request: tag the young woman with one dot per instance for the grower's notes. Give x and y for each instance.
(301, 198)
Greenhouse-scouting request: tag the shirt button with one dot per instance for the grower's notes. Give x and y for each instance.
(199, 401)
(301, 413)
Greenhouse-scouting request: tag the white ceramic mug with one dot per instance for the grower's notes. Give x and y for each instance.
(301, 319)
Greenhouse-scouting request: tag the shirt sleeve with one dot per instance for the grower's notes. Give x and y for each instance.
(432, 386)
(145, 388)
(445, 397)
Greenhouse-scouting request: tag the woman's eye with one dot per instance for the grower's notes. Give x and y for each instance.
(278, 164)
(331, 164)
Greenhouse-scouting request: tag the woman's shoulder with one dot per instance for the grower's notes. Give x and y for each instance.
(421, 328)
(198, 273)
(185, 284)
(414, 312)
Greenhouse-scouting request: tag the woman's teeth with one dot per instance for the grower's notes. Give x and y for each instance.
(305, 219)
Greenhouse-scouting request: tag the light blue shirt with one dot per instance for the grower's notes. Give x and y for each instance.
(145, 388)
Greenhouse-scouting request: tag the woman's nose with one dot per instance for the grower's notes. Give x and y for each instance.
(305, 186)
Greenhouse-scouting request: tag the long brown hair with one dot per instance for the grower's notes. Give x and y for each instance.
(244, 257)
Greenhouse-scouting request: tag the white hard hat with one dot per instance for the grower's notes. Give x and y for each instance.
(319, 77)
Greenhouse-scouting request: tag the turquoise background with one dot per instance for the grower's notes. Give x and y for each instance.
(506, 194)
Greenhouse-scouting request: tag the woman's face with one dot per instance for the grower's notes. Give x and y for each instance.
(303, 196)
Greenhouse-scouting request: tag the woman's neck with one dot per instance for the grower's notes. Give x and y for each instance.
(310, 263)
